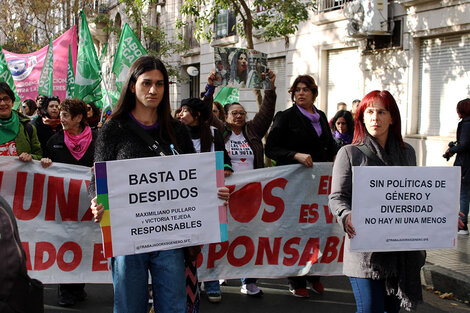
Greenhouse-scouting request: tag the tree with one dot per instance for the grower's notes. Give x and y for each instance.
(28, 25)
(272, 18)
(152, 36)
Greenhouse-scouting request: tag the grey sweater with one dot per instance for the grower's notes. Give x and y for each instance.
(357, 264)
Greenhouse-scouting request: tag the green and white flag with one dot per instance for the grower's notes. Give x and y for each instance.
(46, 80)
(5, 76)
(88, 75)
(103, 53)
(70, 77)
(227, 95)
(128, 50)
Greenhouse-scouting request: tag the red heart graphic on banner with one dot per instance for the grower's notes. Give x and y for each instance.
(243, 159)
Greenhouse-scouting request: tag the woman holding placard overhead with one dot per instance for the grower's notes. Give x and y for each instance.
(142, 114)
(381, 281)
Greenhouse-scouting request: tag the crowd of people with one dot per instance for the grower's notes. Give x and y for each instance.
(70, 131)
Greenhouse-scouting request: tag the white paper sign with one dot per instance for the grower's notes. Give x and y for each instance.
(161, 203)
(405, 208)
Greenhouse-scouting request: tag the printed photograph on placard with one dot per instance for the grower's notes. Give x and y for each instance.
(242, 68)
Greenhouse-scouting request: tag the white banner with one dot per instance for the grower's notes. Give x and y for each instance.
(51, 206)
(161, 203)
(405, 208)
(279, 225)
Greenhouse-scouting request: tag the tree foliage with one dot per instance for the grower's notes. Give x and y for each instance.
(27, 25)
(153, 36)
(268, 18)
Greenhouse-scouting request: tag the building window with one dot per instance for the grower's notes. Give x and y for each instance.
(188, 35)
(226, 24)
(330, 5)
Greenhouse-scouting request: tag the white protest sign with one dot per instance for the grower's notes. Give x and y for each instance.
(405, 208)
(161, 203)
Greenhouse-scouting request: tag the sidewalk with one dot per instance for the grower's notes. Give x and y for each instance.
(449, 270)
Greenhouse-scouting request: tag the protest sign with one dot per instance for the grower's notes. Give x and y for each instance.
(279, 225)
(26, 68)
(405, 208)
(244, 68)
(161, 203)
(51, 206)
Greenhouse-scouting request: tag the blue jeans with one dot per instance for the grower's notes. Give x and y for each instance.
(212, 286)
(464, 200)
(130, 280)
(371, 296)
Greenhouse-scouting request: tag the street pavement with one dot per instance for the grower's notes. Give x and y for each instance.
(338, 298)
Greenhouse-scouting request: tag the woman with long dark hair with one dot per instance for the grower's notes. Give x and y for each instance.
(381, 281)
(49, 123)
(342, 127)
(145, 103)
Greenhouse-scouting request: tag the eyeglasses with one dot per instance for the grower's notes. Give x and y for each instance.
(5, 99)
(235, 113)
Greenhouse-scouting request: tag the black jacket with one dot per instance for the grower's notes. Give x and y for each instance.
(45, 132)
(57, 151)
(292, 132)
(462, 148)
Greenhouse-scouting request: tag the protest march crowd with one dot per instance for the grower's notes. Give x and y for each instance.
(141, 125)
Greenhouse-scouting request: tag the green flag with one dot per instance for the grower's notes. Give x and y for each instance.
(128, 50)
(46, 80)
(70, 77)
(227, 95)
(5, 76)
(103, 53)
(88, 75)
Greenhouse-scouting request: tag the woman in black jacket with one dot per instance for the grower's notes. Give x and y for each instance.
(301, 134)
(48, 123)
(462, 148)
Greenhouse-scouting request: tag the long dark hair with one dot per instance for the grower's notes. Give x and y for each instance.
(389, 103)
(199, 110)
(126, 102)
(347, 117)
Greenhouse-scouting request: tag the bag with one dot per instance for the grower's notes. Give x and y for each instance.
(15, 284)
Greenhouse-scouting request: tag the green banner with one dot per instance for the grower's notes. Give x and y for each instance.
(88, 75)
(128, 50)
(70, 77)
(227, 95)
(5, 76)
(46, 78)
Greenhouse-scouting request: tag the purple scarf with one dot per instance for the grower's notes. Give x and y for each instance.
(345, 138)
(314, 118)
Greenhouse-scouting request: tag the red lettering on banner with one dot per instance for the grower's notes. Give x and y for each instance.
(270, 199)
(272, 255)
(100, 263)
(77, 256)
(43, 247)
(329, 217)
(249, 251)
(25, 246)
(331, 250)
(245, 202)
(309, 213)
(288, 250)
(55, 191)
(310, 253)
(324, 188)
(214, 255)
(36, 200)
(341, 252)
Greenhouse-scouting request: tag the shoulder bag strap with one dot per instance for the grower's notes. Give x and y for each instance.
(140, 132)
(368, 153)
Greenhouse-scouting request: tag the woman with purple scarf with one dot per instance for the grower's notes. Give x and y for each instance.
(342, 127)
(301, 134)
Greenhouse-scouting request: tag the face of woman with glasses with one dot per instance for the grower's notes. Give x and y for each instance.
(236, 116)
(5, 105)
